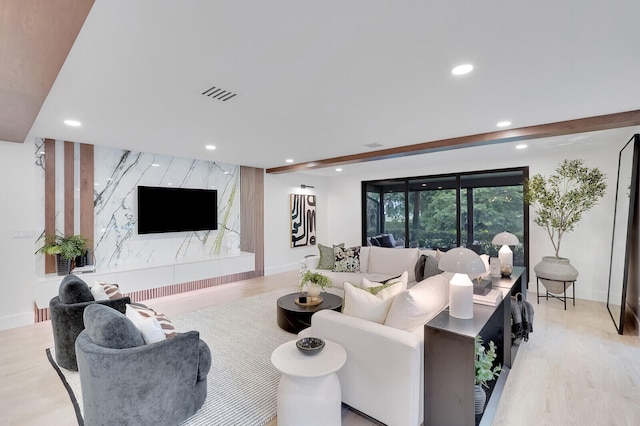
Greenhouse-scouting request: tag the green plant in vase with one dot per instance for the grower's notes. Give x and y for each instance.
(485, 371)
(316, 283)
(66, 249)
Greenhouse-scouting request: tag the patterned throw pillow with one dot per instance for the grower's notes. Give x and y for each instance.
(346, 259)
(138, 314)
(327, 258)
(105, 291)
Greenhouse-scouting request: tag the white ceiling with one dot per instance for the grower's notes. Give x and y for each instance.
(319, 79)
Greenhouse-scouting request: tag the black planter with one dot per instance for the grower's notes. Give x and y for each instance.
(81, 261)
(63, 265)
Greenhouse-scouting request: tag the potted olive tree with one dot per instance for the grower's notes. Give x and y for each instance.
(66, 250)
(559, 202)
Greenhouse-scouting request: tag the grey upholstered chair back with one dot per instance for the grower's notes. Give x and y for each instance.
(66, 312)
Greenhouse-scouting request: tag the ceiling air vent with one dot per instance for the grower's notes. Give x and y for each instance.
(219, 94)
(373, 145)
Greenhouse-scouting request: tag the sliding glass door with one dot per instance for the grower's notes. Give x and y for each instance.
(444, 211)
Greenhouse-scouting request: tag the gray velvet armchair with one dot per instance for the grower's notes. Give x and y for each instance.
(66, 311)
(126, 382)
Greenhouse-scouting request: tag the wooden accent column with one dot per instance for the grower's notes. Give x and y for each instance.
(252, 214)
(69, 210)
(49, 198)
(86, 194)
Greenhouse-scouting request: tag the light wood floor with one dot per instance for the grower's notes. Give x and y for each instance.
(575, 369)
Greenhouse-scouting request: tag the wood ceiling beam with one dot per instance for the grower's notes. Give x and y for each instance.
(590, 124)
(35, 39)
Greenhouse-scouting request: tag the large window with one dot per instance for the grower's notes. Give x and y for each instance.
(444, 211)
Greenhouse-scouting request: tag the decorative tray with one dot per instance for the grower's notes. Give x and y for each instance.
(311, 301)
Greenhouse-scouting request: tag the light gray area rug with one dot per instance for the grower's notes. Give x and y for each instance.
(242, 384)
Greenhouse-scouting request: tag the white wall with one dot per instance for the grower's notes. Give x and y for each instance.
(278, 254)
(588, 247)
(17, 234)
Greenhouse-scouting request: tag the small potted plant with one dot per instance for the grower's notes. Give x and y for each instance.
(485, 371)
(317, 283)
(66, 250)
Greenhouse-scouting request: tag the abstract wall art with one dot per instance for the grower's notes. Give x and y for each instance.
(303, 220)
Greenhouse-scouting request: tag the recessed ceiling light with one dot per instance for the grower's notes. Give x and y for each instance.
(338, 169)
(155, 165)
(462, 69)
(289, 160)
(521, 146)
(210, 147)
(73, 123)
(503, 124)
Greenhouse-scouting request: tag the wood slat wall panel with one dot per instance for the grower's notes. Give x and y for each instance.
(49, 198)
(69, 205)
(86, 193)
(252, 214)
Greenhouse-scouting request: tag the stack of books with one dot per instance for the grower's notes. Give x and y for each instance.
(492, 298)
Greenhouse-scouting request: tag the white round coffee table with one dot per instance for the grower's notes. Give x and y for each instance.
(309, 391)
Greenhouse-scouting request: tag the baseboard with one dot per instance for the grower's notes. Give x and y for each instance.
(13, 321)
(283, 268)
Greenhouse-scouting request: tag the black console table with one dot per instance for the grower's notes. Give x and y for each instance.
(449, 351)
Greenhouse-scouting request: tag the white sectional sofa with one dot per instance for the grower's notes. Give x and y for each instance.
(383, 376)
(376, 264)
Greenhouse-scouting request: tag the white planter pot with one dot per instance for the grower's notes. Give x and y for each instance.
(313, 290)
(556, 270)
(480, 397)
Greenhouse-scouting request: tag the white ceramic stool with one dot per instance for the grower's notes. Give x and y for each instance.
(309, 391)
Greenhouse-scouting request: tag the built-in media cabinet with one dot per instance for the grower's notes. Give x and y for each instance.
(138, 278)
(449, 351)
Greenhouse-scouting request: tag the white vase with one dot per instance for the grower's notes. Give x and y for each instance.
(313, 290)
(556, 270)
(480, 397)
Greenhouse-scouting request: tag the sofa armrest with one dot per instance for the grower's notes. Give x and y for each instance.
(311, 262)
(383, 374)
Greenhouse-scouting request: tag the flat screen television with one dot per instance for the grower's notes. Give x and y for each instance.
(163, 209)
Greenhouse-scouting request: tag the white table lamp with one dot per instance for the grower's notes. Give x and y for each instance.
(505, 239)
(466, 264)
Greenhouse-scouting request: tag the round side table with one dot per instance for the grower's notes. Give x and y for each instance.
(309, 391)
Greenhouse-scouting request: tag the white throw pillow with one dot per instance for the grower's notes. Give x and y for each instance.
(414, 307)
(361, 303)
(151, 330)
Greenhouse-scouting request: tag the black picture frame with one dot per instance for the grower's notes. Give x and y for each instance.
(622, 238)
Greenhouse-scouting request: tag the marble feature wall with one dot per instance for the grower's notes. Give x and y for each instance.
(118, 173)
